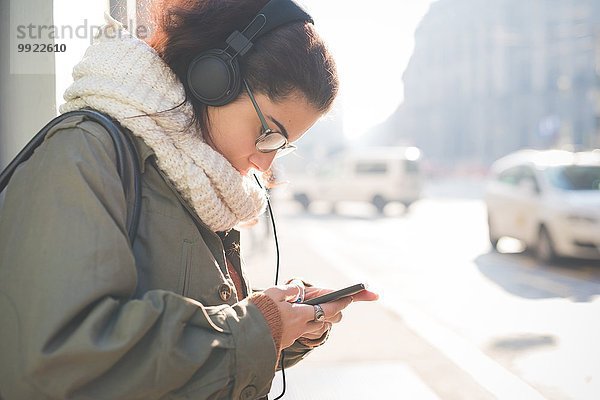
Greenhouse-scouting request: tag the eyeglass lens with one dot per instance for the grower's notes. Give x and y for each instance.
(271, 141)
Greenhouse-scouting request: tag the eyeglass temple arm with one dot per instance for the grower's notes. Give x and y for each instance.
(255, 104)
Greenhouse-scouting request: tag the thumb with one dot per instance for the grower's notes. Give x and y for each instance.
(283, 292)
(291, 292)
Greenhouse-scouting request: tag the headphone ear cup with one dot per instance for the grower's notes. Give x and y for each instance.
(213, 78)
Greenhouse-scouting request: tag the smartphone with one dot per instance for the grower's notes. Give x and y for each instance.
(338, 294)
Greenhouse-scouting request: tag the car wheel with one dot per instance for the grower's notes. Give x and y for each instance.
(492, 235)
(379, 203)
(303, 200)
(544, 249)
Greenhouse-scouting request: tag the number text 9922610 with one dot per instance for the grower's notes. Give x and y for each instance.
(41, 48)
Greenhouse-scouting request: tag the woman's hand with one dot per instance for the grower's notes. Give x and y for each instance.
(298, 320)
(312, 292)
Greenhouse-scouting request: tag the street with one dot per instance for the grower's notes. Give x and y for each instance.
(456, 320)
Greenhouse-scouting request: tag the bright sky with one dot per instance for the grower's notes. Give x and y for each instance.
(371, 42)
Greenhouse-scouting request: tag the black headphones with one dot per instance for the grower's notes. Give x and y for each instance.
(214, 76)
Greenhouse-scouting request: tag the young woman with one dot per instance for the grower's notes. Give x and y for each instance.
(84, 314)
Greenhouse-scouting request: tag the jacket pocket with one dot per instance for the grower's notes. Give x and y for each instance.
(185, 267)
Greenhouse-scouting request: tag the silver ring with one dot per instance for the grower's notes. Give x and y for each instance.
(319, 313)
(300, 285)
(300, 298)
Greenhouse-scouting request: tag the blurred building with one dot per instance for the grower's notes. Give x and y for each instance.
(490, 77)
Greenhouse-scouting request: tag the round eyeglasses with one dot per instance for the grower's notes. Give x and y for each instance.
(269, 140)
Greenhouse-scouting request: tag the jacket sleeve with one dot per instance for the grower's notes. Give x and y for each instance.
(70, 326)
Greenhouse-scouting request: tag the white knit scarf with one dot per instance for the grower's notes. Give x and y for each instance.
(123, 76)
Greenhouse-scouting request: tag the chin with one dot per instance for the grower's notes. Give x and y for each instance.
(246, 170)
(242, 171)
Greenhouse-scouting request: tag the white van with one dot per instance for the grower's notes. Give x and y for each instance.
(378, 175)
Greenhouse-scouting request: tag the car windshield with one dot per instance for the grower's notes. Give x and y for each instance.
(575, 177)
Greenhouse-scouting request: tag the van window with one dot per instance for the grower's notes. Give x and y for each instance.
(411, 166)
(370, 168)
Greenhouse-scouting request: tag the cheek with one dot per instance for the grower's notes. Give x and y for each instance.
(238, 148)
(240, 145)
(229, 128)
(234, 141)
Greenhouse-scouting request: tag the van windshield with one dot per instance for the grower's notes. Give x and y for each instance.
(574, 177)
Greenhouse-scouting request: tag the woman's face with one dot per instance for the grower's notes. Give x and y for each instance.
(235, 127)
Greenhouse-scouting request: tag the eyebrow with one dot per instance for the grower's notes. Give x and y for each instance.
(280, 126)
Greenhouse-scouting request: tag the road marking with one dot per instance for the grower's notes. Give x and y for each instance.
(496, 379)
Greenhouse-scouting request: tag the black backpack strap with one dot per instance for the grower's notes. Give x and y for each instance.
(127, 161)
(134, 194)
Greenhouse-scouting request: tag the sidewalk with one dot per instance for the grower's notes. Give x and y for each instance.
(371, 354)
(353, 381)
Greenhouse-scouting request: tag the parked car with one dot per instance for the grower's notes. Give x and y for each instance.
(549, 200)
(372, 174)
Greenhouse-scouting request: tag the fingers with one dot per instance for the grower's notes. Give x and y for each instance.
(335, 319)
(365, 295)
(312, 292)
(299, 319)
(287, 293)
(333, 308)
(319, 329)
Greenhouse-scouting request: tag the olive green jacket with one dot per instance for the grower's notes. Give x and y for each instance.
(85, 316)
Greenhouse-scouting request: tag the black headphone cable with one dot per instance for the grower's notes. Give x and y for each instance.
(276, 277)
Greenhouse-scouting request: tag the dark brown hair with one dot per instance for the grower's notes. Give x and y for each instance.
(290, 59)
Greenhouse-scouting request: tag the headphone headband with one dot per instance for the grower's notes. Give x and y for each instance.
(275, 13)
(214, 77)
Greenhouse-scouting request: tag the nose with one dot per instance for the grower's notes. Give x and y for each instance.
(262, 161)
